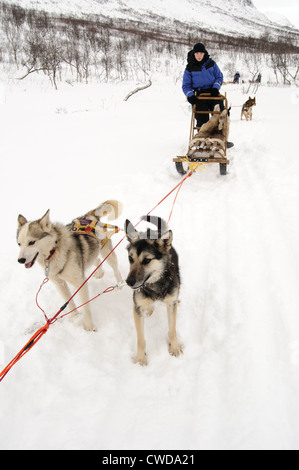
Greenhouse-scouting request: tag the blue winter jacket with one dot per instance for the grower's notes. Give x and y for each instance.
(207, 76)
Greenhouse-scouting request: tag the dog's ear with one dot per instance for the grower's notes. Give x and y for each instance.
(165, 242)
(45, 222)
(21, 220)
(132, 234)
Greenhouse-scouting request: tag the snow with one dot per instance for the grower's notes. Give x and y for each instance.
(236, 385)
(278, 18)
(233, 16)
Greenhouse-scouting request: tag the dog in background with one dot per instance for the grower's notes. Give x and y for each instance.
(154, 275)
(65, 252)
(247, 108)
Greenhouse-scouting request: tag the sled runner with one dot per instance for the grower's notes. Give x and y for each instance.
(207, 143)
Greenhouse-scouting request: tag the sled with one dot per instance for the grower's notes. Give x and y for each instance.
(206, 147)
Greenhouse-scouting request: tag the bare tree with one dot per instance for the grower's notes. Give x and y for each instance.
(14, 38)
(86, 59)
(106, 46)
(33, 50)
(254, 65)
(52, 59)
(120, 59)
(42, 53)
(287, 66)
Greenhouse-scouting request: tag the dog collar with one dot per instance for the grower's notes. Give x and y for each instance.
(51, 254)
(150, 291)
(47, 266)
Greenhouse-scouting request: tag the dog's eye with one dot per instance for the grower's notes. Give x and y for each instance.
(31, 243)
(146, 261)
(130, 259)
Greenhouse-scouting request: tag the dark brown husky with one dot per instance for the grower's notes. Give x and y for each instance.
(247, 108)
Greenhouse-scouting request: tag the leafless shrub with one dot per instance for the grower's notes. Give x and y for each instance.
(42, 53)
(286, 67)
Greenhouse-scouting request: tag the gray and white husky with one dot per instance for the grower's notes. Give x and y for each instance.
(154, 275)
(65, 252)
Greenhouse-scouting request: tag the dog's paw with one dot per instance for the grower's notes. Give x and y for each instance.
(90, 327)
(175, 349)
(141, 360)
(99, 273)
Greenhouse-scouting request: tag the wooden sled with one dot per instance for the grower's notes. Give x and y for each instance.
(207, 146)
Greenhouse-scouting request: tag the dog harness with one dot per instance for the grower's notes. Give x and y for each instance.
(95, 229)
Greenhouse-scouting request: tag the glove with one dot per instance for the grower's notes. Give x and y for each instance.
(214, 92)
(192, 99)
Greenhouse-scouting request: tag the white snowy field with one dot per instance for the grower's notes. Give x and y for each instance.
(237, 384)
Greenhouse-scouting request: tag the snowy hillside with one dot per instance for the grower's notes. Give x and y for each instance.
(237, 384)
(229, 16)
(277, 18)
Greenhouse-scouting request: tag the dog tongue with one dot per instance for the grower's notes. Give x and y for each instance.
(31, 263)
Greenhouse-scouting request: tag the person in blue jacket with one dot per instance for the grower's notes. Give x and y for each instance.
(236, 77)
(202, 75)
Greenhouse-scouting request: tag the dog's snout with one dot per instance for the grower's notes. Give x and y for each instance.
(22, 260)
(131, 281)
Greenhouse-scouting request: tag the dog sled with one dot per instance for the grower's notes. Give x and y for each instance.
(208, 143)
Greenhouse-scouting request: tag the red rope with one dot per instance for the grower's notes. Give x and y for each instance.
(170, 192)
(170, 215)
(106, 291)
(39, 334)
(32, 342)
(36, 297)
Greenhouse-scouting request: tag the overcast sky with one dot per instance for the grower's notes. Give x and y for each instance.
(289, 8)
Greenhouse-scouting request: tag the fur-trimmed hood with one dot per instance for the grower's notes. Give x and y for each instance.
(194, 66)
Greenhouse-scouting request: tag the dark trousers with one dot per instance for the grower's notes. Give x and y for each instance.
(206, 105)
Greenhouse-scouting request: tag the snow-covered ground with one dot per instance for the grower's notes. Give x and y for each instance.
(237, 384)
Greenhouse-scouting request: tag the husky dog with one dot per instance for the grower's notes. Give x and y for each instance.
(247, 108)
(154, 275)
(65, 254)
